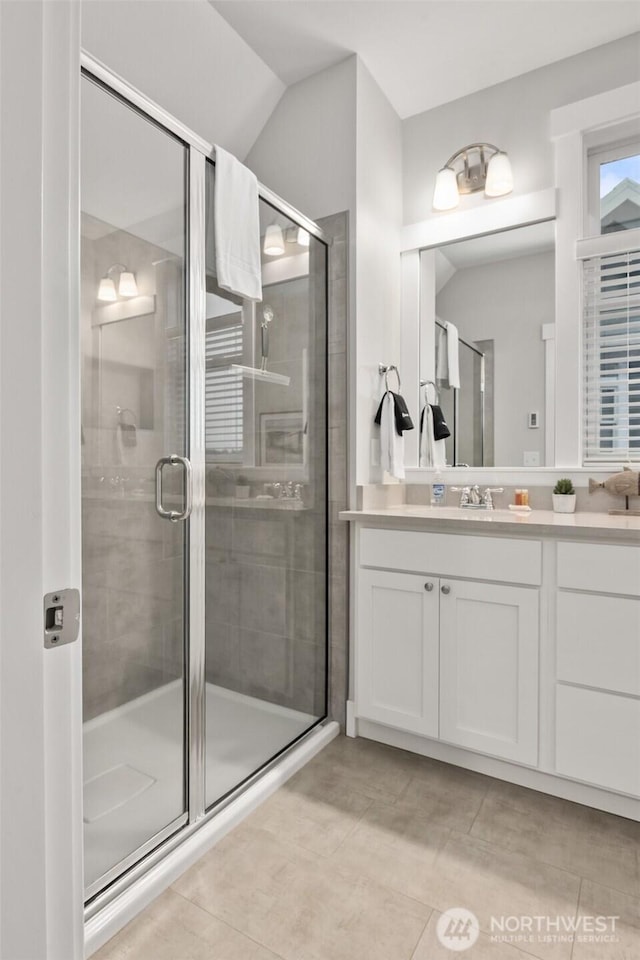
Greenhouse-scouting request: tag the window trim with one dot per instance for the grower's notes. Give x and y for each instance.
(615, 148)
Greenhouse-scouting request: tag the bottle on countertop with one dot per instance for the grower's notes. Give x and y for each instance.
(438, 491)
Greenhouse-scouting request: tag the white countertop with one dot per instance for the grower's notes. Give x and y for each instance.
(583, 526)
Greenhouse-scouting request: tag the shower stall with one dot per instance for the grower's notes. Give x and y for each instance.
(204, 488)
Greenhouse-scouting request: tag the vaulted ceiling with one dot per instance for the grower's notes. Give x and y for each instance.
(426, 52)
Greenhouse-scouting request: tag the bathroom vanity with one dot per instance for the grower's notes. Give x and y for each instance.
(502, 643)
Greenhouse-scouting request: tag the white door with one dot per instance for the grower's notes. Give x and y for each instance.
(489, 668)
(397, 660)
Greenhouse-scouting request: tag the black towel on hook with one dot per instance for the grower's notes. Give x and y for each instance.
(440, 429)
(400, 411)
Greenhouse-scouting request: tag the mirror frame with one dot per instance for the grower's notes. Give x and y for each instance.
(480, 220)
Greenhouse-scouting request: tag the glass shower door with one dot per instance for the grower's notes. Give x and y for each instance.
(265, 410)
(134, 414)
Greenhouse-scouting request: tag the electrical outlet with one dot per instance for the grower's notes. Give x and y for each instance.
(531, 458)
(375, 453)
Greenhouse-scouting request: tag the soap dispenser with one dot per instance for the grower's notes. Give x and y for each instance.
(438, 490)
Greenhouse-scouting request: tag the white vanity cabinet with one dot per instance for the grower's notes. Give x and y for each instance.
(489, 639)
(447, 657)
(398, 650)
(513, 650)
(597, 729)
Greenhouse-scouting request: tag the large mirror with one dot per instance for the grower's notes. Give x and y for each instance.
(497, 294)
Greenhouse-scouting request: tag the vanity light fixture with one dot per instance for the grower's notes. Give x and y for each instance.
(482, 167)
(273, 245)
(127, 286)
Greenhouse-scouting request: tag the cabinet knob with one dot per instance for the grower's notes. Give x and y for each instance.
(445, 589)
(428, 586)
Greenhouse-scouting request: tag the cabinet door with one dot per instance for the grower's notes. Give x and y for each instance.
(489, 668)
(397, 651)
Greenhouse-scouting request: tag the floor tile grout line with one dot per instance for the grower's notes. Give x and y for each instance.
(478, 811)
(518, 853)
(422, 933)
(573, 945)
(549, 863)
(231, 926)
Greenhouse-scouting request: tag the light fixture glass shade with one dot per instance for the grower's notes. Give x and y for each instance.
(499, 176)
(273, 241)
(445, 194)
(303, 237)
(127, 286)
(107, 290)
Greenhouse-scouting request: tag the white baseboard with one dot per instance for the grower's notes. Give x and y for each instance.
(351, 728)
(557, 786)
(123, 908)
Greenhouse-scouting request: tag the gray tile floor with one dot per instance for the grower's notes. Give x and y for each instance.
(357, 856)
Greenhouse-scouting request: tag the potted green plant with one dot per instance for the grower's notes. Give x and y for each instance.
(564, 497)
(243, 488)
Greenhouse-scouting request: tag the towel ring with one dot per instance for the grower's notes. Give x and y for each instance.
(385, 369)
(430, 383)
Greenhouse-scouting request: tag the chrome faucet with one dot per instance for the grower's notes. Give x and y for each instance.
(471, 497)
(487, 497)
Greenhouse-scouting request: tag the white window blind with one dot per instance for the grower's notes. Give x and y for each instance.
(223, 390)
(611, 304)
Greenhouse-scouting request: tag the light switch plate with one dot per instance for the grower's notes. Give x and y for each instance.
(531, 458)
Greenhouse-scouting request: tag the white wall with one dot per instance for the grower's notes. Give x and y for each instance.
(508, 302)
(186, 57)
(334, 143)
(515, 116)
(306, 152)
(378, 224)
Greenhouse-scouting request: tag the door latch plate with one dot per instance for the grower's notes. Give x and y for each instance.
(61, 617)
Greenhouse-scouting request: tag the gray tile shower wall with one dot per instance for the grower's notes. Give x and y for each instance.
(265, 569)
(132, 636)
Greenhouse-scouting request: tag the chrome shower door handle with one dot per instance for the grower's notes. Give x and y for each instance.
(175, 516)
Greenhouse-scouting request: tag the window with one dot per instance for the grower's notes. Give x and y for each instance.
(223, 390)
(611, 299)
(614, 188)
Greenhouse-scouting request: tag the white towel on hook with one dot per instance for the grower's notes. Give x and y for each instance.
(447, 356)
(432, 452)
(442, 362)
(391, 442)
(237, 227)
(453, 362)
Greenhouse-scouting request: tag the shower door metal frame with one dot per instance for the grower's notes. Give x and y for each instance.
(198, 152)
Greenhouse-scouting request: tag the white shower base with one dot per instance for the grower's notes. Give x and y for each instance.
(133, 763)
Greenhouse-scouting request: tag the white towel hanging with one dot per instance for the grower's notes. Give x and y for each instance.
(432, 452)
(447, 355)
(237, 228)
(391, 442)
(453, 362)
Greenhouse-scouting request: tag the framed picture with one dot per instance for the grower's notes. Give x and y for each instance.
(282, 439)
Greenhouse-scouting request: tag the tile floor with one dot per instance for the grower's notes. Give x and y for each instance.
(356, 857)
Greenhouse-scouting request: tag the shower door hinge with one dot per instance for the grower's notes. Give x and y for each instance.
(61, 617)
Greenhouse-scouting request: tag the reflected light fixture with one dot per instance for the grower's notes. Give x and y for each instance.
(273, 245)
(127, 286)
(298, 235)
(481, 166)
